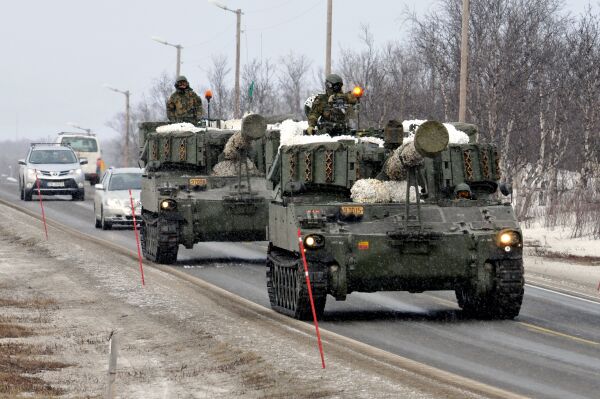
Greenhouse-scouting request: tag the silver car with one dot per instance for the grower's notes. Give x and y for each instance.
(112, 205)
(55, 168)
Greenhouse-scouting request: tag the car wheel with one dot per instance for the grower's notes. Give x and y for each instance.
(27, 194)
(97, 224)
(21, 193)
(103, 223)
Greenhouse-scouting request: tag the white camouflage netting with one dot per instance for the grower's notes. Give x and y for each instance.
(230, 168)
(233, 146)
(178, 127)
(373, 191)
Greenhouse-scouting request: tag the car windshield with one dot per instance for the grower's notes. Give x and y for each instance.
(125, 181)
(52, 156)
(82, 144)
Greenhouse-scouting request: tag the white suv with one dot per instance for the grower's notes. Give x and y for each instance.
(55, 168)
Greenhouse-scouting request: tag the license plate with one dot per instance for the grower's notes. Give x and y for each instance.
(56, 184)
(198, 182)
(352, 210)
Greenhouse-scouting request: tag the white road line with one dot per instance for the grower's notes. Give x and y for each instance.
(595, 302)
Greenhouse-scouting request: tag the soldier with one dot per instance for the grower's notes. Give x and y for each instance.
(331, 111)
(184, 105)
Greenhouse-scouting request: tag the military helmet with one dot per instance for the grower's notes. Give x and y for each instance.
(334, 79)
(462, 190)
(181, 78)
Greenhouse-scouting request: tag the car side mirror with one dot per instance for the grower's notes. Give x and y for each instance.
(22, 162)
(83, 161)
(98, 186)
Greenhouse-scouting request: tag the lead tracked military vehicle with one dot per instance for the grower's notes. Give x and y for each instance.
(185, 202)
(457, 234)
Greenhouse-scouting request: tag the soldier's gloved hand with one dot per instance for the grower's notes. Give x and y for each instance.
(310, 131)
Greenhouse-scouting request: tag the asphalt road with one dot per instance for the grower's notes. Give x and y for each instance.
(552, 350)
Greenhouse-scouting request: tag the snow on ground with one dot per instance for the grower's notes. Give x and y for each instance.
(559, 240)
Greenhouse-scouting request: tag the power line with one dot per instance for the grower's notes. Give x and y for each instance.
(313, 6)
(269, 8)
(227, 29)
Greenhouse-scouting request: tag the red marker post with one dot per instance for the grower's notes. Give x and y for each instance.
(37, 183)
(310, 296)
(137, 238)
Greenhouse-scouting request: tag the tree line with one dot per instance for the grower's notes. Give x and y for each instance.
(534, 85)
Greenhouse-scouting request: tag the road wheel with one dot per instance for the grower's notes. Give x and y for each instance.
(503, 300)
(79, 196)
(160, 240)
(27, 194)
(287, 288)
(103, 223)
(21, 193)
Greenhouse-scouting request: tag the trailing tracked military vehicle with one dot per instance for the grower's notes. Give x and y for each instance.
(201, 184)
(449, 230)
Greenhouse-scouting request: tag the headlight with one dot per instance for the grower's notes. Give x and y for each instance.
(508, 238)
(76, 171)
(168, 205)
(113, 203)
(31, 173)
(313, 241)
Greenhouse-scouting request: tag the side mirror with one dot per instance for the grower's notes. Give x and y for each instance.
(506, 189)
(22, 162)
(83, 161)
(98, 186)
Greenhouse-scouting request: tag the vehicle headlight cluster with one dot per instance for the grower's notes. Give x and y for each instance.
(168, 205)
(114, 203)
(313, 241)
(31, 173)
(508, 239)
(77, 171)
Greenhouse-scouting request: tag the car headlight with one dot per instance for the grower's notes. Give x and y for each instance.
(31, 173)
(314, 241)
(508, 239)
(168, 205)
(113, 203)
(77, 171)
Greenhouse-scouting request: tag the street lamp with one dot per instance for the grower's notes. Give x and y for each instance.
(126, 147)
(238, 14)
(88, 131)
(177, 46)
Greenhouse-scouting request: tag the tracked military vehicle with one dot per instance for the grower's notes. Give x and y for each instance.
(185, 202)
(457, 234)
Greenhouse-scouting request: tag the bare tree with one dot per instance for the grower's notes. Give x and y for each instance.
(292, 79)
(218, 76)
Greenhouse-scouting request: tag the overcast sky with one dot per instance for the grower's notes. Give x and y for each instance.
(57, 54)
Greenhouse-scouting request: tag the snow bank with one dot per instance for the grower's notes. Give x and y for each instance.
(178, 127)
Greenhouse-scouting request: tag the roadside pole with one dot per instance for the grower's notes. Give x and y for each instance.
(112, 365)
(310, 296)
(137, 237)
(37, 183)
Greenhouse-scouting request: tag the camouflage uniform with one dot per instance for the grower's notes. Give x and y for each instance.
(184, 105)
(331, 111)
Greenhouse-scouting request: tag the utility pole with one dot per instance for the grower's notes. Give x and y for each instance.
(178, 47)
(464, 61)
(127, 93)
(238, 13)
(328, 39)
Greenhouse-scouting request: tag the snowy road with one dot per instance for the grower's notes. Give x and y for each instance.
(552, 350)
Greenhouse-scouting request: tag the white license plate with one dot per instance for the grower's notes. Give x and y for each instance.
(56, 184)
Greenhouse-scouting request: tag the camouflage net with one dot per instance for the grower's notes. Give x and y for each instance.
(230, 168)
(403, 157)
(234, 146)
(372, 191)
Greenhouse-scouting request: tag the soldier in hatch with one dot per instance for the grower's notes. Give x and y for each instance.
(330, 111)
(184, 105)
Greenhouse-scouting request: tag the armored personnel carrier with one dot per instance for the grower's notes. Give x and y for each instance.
(453, 232)
(184, 200)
